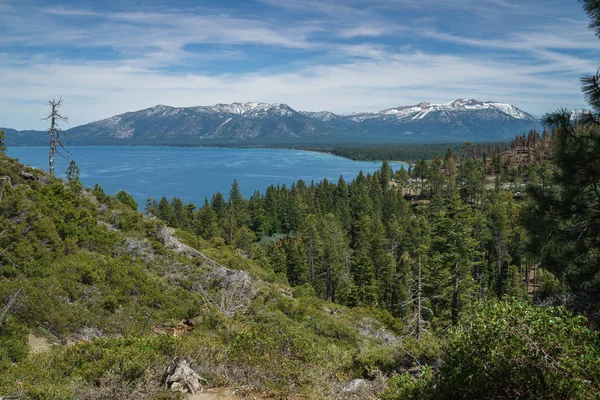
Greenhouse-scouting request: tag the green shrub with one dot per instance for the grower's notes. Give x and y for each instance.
(127, 199)
(510, 349)
(408, 387)
(13, 341)
(376, 358)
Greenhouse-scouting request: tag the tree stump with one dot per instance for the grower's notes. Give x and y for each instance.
(180, 377)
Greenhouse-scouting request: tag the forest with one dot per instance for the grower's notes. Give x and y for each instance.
(440, 235)
(410, 152)
(473, 274)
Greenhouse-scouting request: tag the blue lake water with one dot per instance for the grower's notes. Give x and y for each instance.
(194, 173)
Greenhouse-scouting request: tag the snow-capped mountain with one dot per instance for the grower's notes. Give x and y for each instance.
(462, 119)
(443, 112)
(223, 123)
(264, 123)
(422, 110)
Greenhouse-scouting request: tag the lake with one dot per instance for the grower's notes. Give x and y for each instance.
(194, 173)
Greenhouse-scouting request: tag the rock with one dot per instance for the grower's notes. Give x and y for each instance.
(89, 196)
(107, 225)
(167, 237)
(180, 377)
(370, 328)
(135, 247)
(27, 175)
(89, 333)
(354, 385)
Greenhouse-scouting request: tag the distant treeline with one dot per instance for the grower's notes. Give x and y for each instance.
(411, 152)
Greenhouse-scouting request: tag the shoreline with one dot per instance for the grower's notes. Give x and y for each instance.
(405, 154)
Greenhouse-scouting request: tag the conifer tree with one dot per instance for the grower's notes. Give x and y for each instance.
(363, 269)
(205, 221)
(455, 249)
(310, 241)
(334, 271)
(385, 175)
(297, 269)
(150, 208)
(72, 171)
(257, 214)
(219, 205)
(127, 199)
(564, 218)
(178, 216)
(163, 210)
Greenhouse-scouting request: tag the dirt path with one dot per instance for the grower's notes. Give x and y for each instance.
(38, 344)
(214, 394)
(226, 394)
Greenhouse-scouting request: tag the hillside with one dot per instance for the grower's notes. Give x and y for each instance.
(88, 271)
(361, 296)
(264, 124)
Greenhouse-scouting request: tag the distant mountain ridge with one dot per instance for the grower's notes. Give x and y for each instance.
(274, 123)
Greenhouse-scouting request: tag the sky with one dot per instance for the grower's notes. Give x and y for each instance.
(108, 57)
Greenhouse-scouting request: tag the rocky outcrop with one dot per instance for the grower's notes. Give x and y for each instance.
(228, 290)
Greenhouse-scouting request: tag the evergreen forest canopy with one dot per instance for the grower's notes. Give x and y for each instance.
(475, 274)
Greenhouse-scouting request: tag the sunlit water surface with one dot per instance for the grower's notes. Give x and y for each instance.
(194, 173)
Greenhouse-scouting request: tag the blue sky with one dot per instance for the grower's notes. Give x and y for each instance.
(109, 57)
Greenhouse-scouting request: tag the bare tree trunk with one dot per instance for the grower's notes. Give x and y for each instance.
(527, 277)
(5, 180)
(534, 280)
(11, 302)
(499, 264)
(230, 223)
(419, 286)
(52, 140)
(54, 132)
(455, 296)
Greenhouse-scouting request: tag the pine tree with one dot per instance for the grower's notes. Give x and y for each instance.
(383, 263)
(310, 242)
(205, 222)
(498, 219)
(150, 208)
(435, 177)
(219, 206)
(257, 214)
(411, 277)
(72, 171)
(163, 210)
(420, 172)
(385, 175)
(127, 199)
(455, 250)
(564, 218)
(297, 269)
(334, 271)
(363, 270)
(178, 216)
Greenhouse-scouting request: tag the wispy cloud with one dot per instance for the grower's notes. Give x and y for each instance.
(69, 12)
(354, 56)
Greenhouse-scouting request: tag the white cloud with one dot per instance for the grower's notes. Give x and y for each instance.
(535, 68)
(96, 91)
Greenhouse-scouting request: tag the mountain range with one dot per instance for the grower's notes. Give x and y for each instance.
(269, 124)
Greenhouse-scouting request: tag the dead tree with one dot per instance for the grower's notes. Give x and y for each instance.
(11, 301)
(416, 322)
(55, 132)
